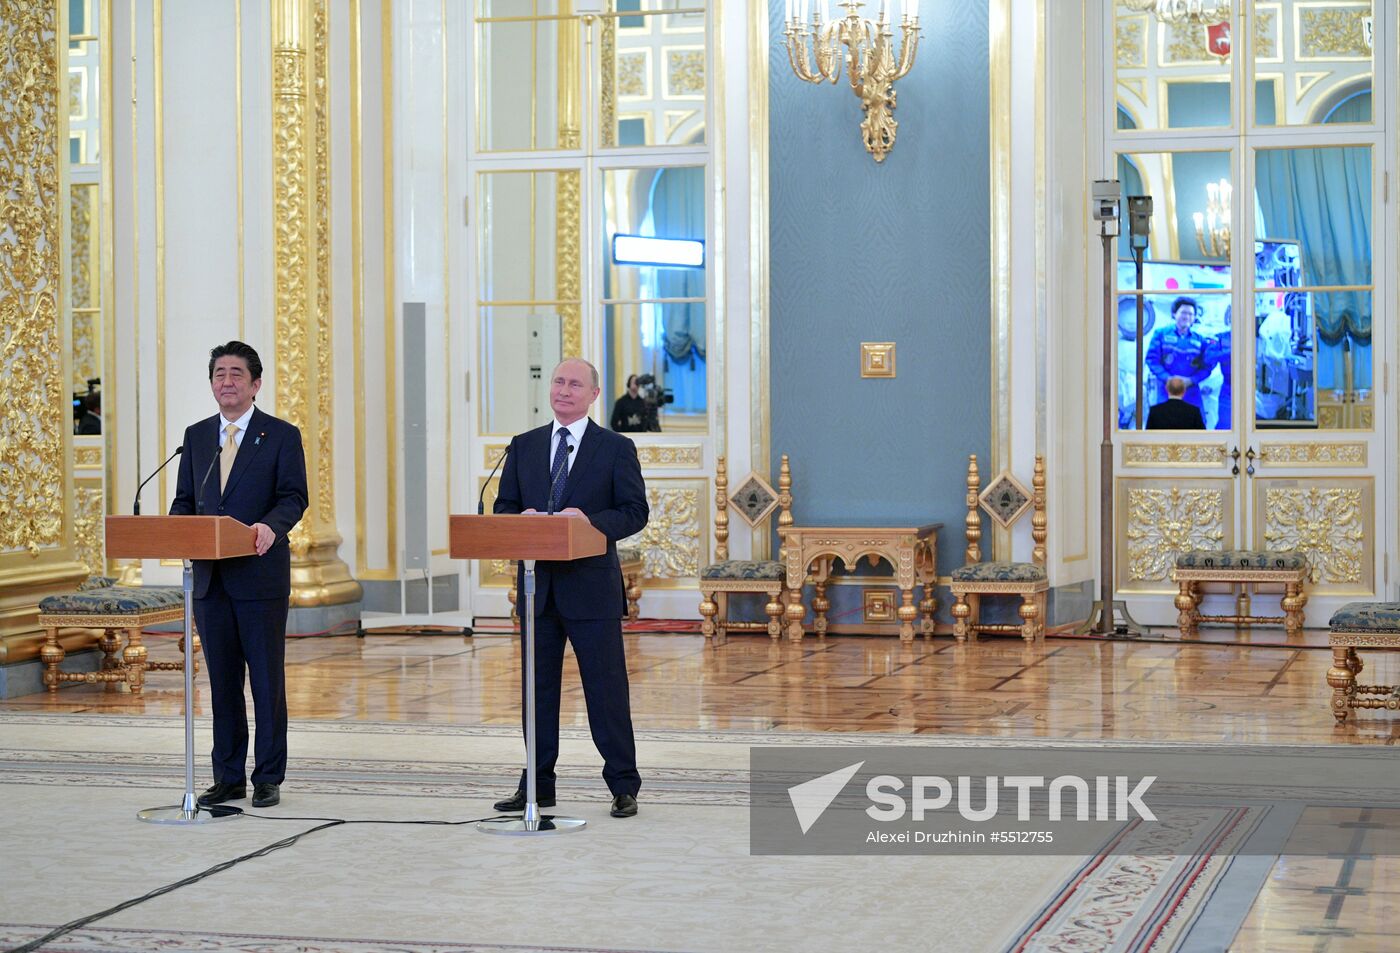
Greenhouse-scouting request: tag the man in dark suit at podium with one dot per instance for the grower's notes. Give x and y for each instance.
(573, 467)
(240, 604)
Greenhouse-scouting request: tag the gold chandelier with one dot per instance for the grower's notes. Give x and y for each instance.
(1213, 227)
(1190, 12)
(871, 63)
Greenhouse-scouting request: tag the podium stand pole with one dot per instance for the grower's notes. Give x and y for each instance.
(531, 822)
(187, 812)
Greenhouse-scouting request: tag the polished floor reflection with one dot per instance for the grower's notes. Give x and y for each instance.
(1062, 688)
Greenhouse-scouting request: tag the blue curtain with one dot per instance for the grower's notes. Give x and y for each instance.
(1322, 198)
(677, 210)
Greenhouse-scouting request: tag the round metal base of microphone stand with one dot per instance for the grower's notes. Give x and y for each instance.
(175, 814)
(548, 824)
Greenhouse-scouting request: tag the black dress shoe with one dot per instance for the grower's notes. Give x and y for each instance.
(624, 805)
(221, 791)
(266, 794)
(516, 803)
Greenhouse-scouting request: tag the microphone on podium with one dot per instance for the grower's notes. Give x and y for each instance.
(199, 494)
(481, 497)
(136, 503)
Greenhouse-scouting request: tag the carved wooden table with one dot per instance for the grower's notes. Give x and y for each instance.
(812, 551)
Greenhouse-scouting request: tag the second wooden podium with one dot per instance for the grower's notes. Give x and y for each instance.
(527, 538)
(185, 538)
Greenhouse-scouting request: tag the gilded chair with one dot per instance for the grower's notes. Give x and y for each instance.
(1005, 501)
(754, 501)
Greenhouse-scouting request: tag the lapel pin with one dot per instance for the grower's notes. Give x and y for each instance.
(259, 440)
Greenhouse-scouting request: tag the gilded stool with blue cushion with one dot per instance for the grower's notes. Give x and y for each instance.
(98, 604)
(1364, 625)
(1245, 568)
(754, 501)
(1005, 500)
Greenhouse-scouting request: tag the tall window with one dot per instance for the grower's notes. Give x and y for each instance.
(591, 126)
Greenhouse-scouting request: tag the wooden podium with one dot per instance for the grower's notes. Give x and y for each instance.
(529, 538)
(186, 538)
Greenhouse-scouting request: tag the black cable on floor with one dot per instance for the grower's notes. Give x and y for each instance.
(330, 822)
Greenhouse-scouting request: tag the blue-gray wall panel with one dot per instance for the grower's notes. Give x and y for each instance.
(896, 251)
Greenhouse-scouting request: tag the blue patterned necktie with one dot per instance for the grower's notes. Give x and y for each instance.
(559, 472)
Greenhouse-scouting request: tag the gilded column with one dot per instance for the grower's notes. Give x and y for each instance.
(301, 214)
(36, 460)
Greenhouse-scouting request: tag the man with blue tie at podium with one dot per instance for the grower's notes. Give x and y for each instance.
(573, 467)
(240, 604)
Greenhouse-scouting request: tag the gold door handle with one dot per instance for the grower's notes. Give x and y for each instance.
(1235, 455)
(1249, 455)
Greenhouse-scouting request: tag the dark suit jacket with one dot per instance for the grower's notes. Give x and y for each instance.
(1175, 414)
(267, 485)
(606, 484)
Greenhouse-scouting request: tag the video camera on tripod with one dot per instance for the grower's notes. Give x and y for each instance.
(654, 396)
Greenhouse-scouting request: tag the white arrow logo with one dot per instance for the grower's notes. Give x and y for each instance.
(810, 799)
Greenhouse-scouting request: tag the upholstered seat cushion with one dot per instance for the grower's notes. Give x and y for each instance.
(96, 582)
(744, 569)
(1367, 617)
(629, 554)
(999, 572)
(1240, 559)
(113, 600)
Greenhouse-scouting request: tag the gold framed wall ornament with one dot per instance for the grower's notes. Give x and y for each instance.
(877, 359)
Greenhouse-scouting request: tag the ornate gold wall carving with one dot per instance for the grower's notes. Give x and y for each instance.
(1265, 34)
(1173, 454)
(1331, 32)
(673, 543)
(87, 457)
(1130, 42)
(34, 410)
(1313, 454)
(607, 92)
(1163, 522)
(663, 455)
(1184, 44)
(632, 73)
(88, 545)
(323, 389)
(568, 265)
(1327, 523)
(685, 72)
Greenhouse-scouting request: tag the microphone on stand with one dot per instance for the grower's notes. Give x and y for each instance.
(199, 494)
(481, 498)
(136, 503)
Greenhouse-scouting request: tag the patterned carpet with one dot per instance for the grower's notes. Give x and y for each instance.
(677, 877)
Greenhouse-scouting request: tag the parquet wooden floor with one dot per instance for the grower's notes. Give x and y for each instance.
(1062, 688)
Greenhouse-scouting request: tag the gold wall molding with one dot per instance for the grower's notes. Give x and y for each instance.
(607, 82)
(1174, 454)
(89, 547)
(89, 458)
(301, 239)
(1313, 454)
(673, 543)
(1163, 522)
(1331, 32)
(669, 455)
(1130, 41)
(1328, 523)
(568, 261)
(36, 501)
(34, 405)
(1000, 103)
